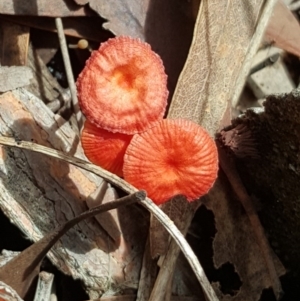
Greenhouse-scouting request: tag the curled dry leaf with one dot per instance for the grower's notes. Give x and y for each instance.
(236, 243)
(56, 8)
(218, 50)
(283, 30)
(124, 18)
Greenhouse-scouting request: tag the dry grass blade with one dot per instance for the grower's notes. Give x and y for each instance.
(21, 271)
(158, 213)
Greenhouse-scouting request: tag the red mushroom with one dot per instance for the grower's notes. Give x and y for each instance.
(174, 157)
(104, 148)
(123, 86)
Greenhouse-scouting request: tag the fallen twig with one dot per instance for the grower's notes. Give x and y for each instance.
(69, 73)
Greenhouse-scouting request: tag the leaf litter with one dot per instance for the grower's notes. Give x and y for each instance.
(233, 229)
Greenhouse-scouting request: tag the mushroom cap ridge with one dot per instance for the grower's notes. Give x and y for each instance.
(174, 157)
(123, 87)
(104, 148)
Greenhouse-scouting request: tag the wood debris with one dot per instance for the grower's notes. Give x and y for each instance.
(14, 77)
(113, 255)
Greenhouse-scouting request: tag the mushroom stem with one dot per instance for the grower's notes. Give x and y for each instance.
(81, 44)
(240, 141)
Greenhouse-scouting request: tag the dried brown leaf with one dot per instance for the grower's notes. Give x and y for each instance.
(220, 44)
(273, 177)
(236, 243)
(283, 30)
(184, 283)
(55, 8)
(89, 28)
(124, 18)
(178, 209)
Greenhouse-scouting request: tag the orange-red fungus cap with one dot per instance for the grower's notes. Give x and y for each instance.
(174, 157)
(104, 148)
(123, 86)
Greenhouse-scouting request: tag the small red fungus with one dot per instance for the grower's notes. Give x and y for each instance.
(174, 157)
(123, 86)
(104, 148)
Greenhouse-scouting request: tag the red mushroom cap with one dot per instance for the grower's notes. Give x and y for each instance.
(104, 148)
(174, 157)
(123, 87)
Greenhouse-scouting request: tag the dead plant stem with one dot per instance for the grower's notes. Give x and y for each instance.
(69, 72)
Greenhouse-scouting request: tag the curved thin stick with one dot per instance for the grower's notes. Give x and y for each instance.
(113, 179)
